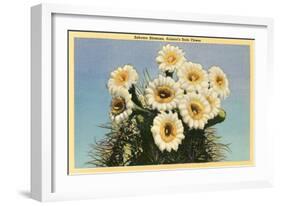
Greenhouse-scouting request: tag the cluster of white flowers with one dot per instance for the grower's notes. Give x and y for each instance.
(184, 93)
(119, 83)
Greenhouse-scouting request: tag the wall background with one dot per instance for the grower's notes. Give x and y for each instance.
(15, 103)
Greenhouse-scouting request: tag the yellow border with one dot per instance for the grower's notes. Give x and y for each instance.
(148, 37)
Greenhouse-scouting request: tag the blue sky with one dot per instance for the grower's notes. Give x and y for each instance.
(96, 58)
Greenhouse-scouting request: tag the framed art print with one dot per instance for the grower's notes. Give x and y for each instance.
(120, 99)
(150, 102)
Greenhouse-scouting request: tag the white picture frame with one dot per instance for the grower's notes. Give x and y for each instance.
(49, 180)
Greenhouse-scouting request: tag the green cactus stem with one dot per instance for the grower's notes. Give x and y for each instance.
(135, 98)
(217, 119)
(169, 74)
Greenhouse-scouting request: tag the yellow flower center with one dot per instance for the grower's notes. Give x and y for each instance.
(118, 105)
(193, 77)
(121, 77)
(195, 110)
(220, 81)
(168, 131)
(171, 58)
(164, 94)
